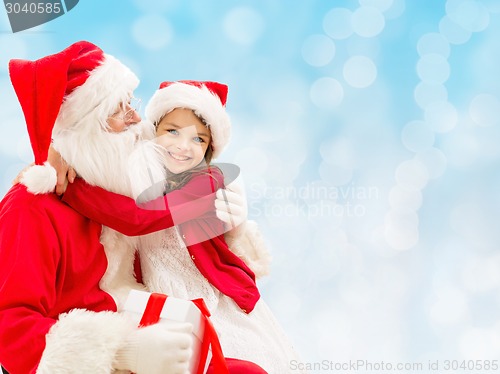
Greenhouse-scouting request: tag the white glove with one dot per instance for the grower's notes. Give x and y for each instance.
(157, 349)
(231, 205)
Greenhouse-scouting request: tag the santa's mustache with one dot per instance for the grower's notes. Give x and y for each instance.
(101, 157)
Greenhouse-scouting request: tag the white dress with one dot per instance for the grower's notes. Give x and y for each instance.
(257, 337)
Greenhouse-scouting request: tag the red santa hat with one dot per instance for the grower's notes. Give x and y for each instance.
(206, 99)
(59, 91)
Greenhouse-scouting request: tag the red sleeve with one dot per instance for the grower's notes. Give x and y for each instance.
(122, 214)
(28, 268)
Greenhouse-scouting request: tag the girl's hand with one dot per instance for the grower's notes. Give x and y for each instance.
(231, 206)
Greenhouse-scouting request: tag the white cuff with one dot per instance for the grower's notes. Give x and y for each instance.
(84, 342)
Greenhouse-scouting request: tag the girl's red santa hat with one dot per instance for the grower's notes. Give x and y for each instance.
(206, 99)
(75, 89)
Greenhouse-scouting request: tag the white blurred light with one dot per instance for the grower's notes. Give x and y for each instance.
(428, 93)
(381, 5)
(449, 308)
(441, 116)
(356, 290)
(318, 50)
(286, 302)
(244, 25)
(326, 93)
(405, 197)
(417, 136)
(152, 32)
(155, 6)
(338, 151)
(434, 160)
(462, 148)
(255, 189)
(254, 161)
(401, 237)
(325, 241)
(433, 43)
(396, 10)
(335, 174)
(482, 274)
(337, 23)
(471, 15)
(402, 217)
(367, 21)
(285, 166)
(453, 32)
(333, 327)
(479, 344)
(484, 110)
(393, 279)
(379, 243)
(470, 222)
(359, 71)
(412, 173)
(433, 68)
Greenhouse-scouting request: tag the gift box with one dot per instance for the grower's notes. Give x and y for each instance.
(149, 308)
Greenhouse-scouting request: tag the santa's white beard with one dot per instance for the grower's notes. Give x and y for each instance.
(126, 163)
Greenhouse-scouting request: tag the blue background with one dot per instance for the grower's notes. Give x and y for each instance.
(367, 132)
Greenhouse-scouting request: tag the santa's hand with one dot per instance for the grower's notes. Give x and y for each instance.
(64, 172)
(17, 179)
(231, 205)
(157, 349)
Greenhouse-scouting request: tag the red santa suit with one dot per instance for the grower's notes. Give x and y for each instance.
(52, 278)
(54, 317)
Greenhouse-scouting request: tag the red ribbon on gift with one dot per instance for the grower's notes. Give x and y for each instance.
(151, 316)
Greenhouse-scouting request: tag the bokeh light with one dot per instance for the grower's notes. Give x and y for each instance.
(327, 93)
(243, 25)
(318, 50)
(360, 71)
(152, 32)
(337, 23)
(367, 21)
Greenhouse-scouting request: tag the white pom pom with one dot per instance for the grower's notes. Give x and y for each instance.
(40, 178)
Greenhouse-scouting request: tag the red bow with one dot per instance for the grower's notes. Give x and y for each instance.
(151, 316)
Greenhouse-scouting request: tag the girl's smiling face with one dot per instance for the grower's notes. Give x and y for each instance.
(185, 139)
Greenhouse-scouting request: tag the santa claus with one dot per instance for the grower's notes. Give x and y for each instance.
(63, 276)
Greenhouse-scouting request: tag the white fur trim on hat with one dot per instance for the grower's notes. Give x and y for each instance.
(202, 101)
(108, 85)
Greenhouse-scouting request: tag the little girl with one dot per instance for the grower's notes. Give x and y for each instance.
(192, 259)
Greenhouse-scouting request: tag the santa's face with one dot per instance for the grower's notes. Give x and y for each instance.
(125, 115)
(185, 139)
